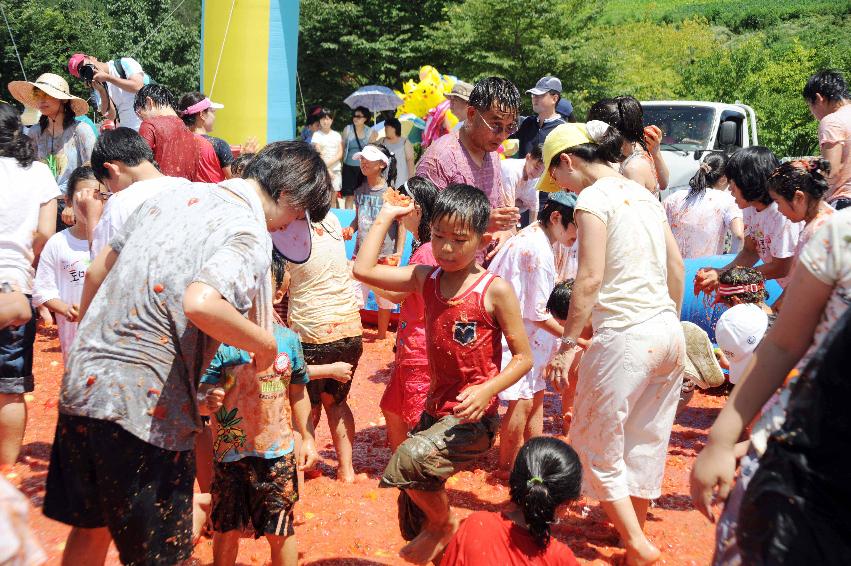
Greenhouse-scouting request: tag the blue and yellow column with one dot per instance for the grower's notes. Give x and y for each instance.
(248, 63)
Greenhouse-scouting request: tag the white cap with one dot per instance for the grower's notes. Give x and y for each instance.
(371, 153)
(739, 331)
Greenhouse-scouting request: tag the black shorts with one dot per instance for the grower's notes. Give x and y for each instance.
(16, 357)
(352, 178)
(347, 350)
(255, 495)
(100, 475)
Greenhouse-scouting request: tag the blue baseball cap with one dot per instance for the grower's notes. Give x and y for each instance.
(566, 198)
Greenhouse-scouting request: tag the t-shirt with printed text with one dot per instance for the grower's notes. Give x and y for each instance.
(61, 273)
(255, 417)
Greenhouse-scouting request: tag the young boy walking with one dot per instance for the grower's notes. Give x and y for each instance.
(467, 311)
(157, 302)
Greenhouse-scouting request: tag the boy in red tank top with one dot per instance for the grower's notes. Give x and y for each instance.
(467, 310)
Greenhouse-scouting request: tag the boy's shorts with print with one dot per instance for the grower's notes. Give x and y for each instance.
(436, 449)
(255, 495)
(347, 350)
(100, 475)
(16, 357)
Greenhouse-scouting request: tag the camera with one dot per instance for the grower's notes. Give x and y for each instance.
(87, 72)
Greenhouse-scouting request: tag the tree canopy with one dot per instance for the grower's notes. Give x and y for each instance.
(757, 51)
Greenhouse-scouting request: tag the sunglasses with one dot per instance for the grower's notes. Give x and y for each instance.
(359, 116)
(500, 129)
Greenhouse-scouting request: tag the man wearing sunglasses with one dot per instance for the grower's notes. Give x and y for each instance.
(470, 155)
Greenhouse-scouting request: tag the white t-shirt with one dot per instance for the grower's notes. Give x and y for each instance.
(329, 144)
(123, 99)
(60, 275)
(523, 193)
(775, 236)
(124, 203)
(22, 192)
(635, 278)
(827, 257)
(527, 263)
(699, 226)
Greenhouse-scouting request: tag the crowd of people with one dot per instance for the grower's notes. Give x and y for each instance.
(562, 268)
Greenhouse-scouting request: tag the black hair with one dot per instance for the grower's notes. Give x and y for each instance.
(187, 100)
(464, 203)
(279, 267)
(68, 116)
(81, 173)
(537, 152)
(313, 114)
(159, 95)
(744, 276)
(395, 124)
(711, 169)
(495, 93)
(293, 169)
(13, 142)
(324, 113)
(363, 110)
(547, 472)
(389, 170)
(806, 175)
(749, 168)
(828, 83)
(554, 206)
(121, 144)
(424, 194)
(623, 113)
(238, 165)
(558, 304)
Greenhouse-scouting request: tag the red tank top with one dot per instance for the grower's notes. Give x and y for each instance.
(464, 343)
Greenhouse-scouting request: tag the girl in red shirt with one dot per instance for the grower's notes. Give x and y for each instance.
(547, 473)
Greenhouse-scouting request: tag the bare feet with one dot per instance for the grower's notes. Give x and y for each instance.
(350, 476)
(642, 553)
(430, 542)
(200, 511)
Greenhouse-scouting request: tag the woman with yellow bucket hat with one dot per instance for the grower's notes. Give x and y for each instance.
(61, 142)
(629, 288)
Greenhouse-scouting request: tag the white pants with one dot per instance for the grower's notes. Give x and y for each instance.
(626, 397)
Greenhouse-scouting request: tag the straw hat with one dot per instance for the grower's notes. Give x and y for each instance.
(52, 85)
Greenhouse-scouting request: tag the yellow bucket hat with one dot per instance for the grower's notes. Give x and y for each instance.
(563, 137)
(50, 84)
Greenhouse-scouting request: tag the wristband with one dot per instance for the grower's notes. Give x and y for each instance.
(568, 342)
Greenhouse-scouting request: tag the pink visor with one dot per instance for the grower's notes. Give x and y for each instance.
(201, 106)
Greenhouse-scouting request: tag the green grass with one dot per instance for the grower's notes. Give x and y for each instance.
(737, 15)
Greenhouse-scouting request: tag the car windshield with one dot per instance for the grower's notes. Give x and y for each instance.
(683, 127)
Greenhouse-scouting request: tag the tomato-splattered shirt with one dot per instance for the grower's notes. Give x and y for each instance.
(255, 417)
(137, 360)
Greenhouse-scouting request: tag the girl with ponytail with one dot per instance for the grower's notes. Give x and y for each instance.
(701, 217)
(638, 153)
(546, 475)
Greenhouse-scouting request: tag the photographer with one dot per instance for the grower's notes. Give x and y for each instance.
(116, 83)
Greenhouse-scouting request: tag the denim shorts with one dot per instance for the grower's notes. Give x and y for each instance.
(16, 358)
